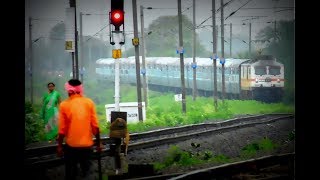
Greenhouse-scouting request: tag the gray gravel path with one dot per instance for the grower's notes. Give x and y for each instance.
(227, 143)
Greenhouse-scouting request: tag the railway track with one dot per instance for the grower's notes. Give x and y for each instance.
(266, 167)
(263, 168)
(45, 155)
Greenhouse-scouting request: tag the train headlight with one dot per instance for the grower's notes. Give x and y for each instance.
(278, 80)
(257, 80)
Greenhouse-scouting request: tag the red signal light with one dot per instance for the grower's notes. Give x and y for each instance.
(117, 17)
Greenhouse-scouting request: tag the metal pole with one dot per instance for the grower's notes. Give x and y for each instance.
(136, 48)
(217, 36)
(89, 58)
(145, 96)
(250, 40)
(73, 66)
(222, 51)
(230, 40)
(81, 49)
(30, 61)
(181, 59)
(214, 51)
(76, 41)
(194, 92)
(275, 31)
(73, 54)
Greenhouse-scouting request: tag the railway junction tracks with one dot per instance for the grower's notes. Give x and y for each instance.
(45, 156)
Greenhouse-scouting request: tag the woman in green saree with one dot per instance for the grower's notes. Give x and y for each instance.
(49, 111)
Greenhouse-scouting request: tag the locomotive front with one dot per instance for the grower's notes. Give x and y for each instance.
(267, 79)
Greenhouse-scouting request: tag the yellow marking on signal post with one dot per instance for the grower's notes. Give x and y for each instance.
(68, 45)
(135, 41)
(116, 53)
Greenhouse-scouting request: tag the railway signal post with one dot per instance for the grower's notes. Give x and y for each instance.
(116, 20)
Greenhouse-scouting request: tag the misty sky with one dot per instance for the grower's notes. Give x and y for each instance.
(50, 12)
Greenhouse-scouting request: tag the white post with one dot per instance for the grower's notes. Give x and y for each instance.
(117, 74)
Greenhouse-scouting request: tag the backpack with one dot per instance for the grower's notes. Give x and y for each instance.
(118, 128)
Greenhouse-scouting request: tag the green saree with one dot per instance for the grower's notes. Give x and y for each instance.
(49, 114)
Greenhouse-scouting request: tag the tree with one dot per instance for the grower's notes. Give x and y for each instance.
(164, 39)
(281, 46)
(60, 59)
(50, 58)
(94, 49)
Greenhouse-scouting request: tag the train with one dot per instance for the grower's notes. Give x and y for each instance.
(260, 78)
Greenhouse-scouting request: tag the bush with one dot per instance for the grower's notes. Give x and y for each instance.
(34, 126)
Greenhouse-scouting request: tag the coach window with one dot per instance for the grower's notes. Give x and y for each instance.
(227, 71)
(248, 68)
(274, 70)
(242, 71)
(236, 70)
(260, 70)
(246, 73)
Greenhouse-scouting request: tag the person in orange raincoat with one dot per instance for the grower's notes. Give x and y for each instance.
(78, 125)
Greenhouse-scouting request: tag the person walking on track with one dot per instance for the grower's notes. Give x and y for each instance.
(77, 125)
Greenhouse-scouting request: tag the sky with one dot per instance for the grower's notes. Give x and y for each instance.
(47, 13)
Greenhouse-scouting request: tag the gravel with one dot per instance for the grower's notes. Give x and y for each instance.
(227, 143)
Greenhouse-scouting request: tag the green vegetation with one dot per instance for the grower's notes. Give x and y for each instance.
(34, 131)
(282, 47)
(50, 57)
(251, 150)
(292, 135)
(179, 158)
(162, 110)
(162, 42)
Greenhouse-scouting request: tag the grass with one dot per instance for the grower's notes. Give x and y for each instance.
(163, 111)
(251, 150)
(177, 158)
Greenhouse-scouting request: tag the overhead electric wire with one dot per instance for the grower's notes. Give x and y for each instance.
(237, 9)
(215, 12)
(97, 32)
